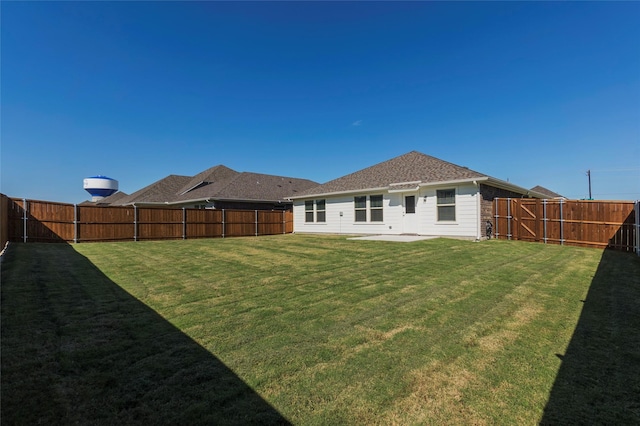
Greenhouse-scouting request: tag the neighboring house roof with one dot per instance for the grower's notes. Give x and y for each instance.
(111, 199)
(547, 192)
(158, 192)
(407, 171)
(218, 183)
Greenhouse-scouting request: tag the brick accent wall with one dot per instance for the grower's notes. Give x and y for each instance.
(487, 194)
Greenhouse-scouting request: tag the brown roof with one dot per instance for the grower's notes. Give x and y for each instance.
(158, 192)
(409, 169)
(111, 199)
(547, 192)
(218, 183)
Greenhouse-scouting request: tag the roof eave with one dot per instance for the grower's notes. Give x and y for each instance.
(498, 183)
(351, 191)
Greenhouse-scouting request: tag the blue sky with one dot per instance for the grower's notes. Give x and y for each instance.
(533, 93)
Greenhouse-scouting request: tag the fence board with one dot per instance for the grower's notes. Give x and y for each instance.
(32, 220)
(574, 222)
(105, 223)
(4, 220)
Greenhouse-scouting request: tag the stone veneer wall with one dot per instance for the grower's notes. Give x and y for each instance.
(487, 194)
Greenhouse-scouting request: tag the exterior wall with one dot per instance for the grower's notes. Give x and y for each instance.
(466, 224)
(346, 223)
(488, 194)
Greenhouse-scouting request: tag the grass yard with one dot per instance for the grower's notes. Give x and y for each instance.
(315, 330)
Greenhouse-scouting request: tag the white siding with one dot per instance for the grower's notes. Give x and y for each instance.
(465, 225)
(345, 223)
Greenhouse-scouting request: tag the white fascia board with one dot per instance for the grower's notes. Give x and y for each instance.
(393, 191)
(455, 182)
(332, 194)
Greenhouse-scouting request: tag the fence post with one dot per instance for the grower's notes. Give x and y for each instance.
(637, 206)
(497, 217)
(184, 223)
(561, 224)
(284, 223)
(75, 223)
(25, 213)
(135, 223)
(256, 223)
(223, 224)
(544, 219)
(508, 218)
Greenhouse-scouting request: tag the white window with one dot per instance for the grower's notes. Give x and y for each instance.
(361, 208)
(315, 210)
(308, 211)
(321, 211)
(446, 205)
(375, 208)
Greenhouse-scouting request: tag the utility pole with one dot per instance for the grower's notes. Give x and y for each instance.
(589, 177)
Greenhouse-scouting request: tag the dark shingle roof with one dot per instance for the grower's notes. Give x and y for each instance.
(547, 192)
(158, 192)
(219, 183)
(413, 167)
(214, 174)
(110, 200)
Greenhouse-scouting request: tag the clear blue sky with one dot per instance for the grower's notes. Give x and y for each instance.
(534, 93)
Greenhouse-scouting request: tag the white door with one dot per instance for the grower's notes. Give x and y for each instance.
(409, 216)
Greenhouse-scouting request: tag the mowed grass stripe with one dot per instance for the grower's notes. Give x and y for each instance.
(329, 331)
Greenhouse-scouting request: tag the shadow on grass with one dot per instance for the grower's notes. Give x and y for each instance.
(78, 349)
(599, 378)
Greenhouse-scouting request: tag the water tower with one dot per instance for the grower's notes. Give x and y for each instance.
(100, 187)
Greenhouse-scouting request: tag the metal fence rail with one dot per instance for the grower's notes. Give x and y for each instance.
(43, 221)
(611, 224)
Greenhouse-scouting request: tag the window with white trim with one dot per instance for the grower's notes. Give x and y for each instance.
(321, 211)
(315, 209)
(360, 208)
(308, 211)
(446, 205)
(375, 202)
(375, 208)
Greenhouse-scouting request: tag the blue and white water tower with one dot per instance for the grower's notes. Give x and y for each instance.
(100, 187)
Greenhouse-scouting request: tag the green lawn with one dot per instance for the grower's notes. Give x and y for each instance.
(319, 330)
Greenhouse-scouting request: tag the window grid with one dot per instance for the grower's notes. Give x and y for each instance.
(446, 205)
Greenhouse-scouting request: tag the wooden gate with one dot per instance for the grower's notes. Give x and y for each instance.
(610, 224)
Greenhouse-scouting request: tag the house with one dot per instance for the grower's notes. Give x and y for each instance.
(548, 193)
(106, 201)
(218, 187)
(410, 194)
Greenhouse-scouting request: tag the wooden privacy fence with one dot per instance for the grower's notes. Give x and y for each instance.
(43, 221)
(612, 224)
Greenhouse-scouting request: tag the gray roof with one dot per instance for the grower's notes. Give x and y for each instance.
(547, 192)
(408, 170)
(218, 183)
(111, 199)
